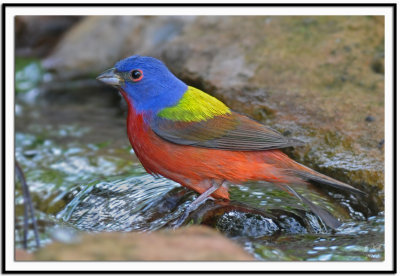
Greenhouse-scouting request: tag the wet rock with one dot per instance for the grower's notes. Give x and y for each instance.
(195, 243)
(302, 74)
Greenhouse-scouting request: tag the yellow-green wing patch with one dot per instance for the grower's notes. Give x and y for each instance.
(195, 106)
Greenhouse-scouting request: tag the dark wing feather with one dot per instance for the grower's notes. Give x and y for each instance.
(227, 132)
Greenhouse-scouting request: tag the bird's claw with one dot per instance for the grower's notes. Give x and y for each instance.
(181, 219)
(196, 203)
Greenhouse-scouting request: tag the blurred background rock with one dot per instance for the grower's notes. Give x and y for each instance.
(36, 36)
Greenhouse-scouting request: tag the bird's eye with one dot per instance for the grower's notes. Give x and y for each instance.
(136, 75)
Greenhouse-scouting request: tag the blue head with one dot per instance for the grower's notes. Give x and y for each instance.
(147, 82)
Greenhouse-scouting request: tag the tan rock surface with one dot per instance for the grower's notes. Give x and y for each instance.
(191, 243)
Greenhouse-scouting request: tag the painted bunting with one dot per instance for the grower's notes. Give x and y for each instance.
(186, 135)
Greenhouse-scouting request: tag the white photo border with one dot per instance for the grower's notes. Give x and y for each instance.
(10, 11)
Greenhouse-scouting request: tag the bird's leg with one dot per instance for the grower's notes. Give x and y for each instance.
(198, 201)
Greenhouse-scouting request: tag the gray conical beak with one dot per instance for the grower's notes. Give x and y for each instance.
(110, 77)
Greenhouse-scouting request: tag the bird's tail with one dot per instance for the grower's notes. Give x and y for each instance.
(305, 174)
(311, 176)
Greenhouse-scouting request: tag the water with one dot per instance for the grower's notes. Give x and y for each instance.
(84, 176)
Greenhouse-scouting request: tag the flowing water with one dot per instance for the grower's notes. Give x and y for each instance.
(83, 176)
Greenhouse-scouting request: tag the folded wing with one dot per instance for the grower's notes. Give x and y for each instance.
(227, 132)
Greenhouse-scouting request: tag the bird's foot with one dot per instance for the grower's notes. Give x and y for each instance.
(196, 203)
(181, 219)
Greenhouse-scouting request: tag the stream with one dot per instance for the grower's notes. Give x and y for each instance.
(71, 142)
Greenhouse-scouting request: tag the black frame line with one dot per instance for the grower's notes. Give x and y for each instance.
(394, 9)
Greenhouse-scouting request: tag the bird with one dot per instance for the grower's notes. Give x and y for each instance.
(186, 135)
